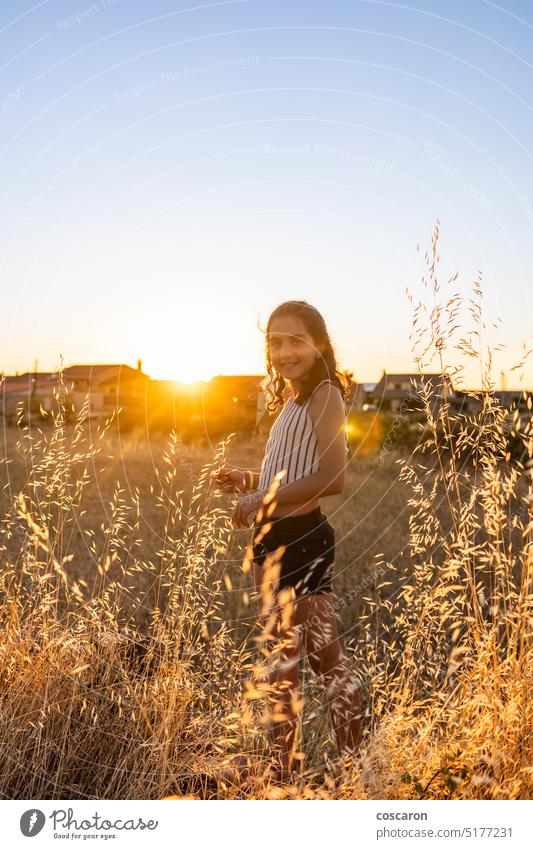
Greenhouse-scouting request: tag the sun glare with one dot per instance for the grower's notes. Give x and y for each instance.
(187, 385)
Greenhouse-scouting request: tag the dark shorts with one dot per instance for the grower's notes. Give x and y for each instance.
(306, 563)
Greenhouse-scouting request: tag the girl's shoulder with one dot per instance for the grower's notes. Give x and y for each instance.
(321, 383)
(335, 386)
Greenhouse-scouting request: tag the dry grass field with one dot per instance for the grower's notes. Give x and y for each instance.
(131, 662)
(103, 699)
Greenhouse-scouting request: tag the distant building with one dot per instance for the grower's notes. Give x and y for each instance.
(357, 397)
(31, 388)
(508, 397)
(471, 401)
(400, 392)
(235, 388)
(234, 400)
(108, 387)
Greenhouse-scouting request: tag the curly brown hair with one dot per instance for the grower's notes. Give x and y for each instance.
(325, 366)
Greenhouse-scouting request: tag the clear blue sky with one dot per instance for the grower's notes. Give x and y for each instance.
(170, 172)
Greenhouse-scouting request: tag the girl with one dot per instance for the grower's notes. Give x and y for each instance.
(306, 449)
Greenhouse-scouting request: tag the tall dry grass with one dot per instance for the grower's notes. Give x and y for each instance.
(92, 708)
(448, 659)
(95, 707)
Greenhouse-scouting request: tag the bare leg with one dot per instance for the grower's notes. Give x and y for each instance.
(327, 659)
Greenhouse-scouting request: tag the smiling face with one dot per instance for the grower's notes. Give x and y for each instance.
(292, 349)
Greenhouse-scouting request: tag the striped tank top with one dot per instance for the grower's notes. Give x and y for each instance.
(292, 444)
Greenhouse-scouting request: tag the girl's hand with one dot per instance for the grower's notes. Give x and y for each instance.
(229, 479)
(246, 505)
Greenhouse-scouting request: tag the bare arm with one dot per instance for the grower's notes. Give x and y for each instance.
(328, 415)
